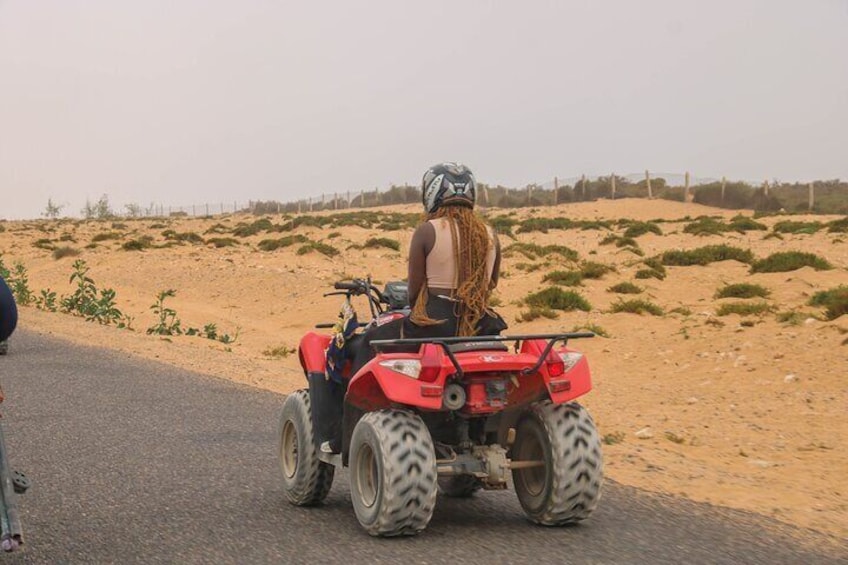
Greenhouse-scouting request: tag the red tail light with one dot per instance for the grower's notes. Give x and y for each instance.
(431, 362)
(555, 365)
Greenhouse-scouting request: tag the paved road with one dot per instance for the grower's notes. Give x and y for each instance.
(134, 461)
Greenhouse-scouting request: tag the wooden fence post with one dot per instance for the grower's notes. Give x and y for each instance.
(348, 199)
(556, 190)
(612, 186)
(583, 185)
(812, 196)
(765, 188)
(648, 183)
(235, 207)
(686, 188)
(723, 184)
(529, 194)
(335, 201)
(310, 203)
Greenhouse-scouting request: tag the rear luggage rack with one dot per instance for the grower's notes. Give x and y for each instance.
(446, 342)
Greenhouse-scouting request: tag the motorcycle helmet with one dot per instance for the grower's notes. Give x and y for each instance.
(448, 184)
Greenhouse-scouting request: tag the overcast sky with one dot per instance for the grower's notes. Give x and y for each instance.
(184, 102)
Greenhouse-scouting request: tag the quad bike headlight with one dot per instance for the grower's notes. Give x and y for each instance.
(570, 359)
(409, 367)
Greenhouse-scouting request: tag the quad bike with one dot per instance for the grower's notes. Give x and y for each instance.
(446, 414)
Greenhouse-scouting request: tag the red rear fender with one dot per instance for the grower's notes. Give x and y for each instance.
(312, 352)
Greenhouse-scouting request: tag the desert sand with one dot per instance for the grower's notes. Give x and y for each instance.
(746, 416)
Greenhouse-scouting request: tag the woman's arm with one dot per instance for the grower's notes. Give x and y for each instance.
(496, 270)
(422, 243)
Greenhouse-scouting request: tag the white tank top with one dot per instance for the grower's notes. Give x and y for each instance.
(441, 270)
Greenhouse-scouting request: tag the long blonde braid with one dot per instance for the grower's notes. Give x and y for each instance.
(471, 245)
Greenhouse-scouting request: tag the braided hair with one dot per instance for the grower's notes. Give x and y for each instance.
(471, 246)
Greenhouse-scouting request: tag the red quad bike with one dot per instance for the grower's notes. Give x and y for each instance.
(455, 415)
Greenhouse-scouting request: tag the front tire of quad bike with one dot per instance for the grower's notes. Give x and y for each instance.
(566, 489)
(459, 486)
(306, 479)
(392, 473)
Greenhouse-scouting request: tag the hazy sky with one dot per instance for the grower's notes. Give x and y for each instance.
(184, 102)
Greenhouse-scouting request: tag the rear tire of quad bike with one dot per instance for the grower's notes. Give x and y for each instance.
(392, 473)
(459, 486)
(567, 488)
(306, 479)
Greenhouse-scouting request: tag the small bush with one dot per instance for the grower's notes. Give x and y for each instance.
(743, 290)
(654, 270)
(536, 312)
(785, 261)
(594, 328)
(287, 241)
(838, 226)
(558, 299)
(534, 251)
(706, 255)
(564, 278)
(382, 242)
(789, 226)
(45, 244)
(189, 237)
(139, 244)
(530, 267)
(334, 235)
(625, 288)
(106, 235)
(217, 228)
(593, 270)
(503, 225)
(246, 230)
(637, 307)
(220, 242)
(635, 229)
(834, 300)
(744, 308)
(792, 318)
(278, 352)
(321, 248)
(706, 225)
(62, 252)
(744, 224)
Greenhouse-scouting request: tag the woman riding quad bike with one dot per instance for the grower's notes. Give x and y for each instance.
(428, 397)
(454, 263)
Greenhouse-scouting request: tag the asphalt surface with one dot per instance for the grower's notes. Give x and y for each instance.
(135, 461)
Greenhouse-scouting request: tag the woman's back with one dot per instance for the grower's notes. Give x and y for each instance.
(441, 261)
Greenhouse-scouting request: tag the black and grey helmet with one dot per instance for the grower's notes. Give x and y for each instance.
(448, 183)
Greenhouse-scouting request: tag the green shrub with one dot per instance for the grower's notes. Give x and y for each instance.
(834, 300)
(706, 225)
(246, 230)
(743, 224)
(321, 248)
(635, 229)
(625, 288)
(593, 270)
(220, 242)
(558, 299)
(706, 255)
(144, 242)
(637, 306)
(792, 318)
(45, 244)
(838, 226)
(189, 237)
(503, 225)
(743, 290)
(62, 252)
(536, 312)
(531, 267)
(217, 228)
(564, 278)
(334, 235)
(544, 224)
(106, 235)
(744, 308)
(654, 270)
(534, 251)
(382, 242)
(287, 241)
(594, 328)
(789, 226)
(785, 261)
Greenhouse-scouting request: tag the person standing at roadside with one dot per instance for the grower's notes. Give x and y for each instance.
(8, 316)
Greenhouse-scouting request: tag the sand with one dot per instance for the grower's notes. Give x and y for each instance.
(745, 416)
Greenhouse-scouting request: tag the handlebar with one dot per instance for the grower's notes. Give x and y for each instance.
(344, 285)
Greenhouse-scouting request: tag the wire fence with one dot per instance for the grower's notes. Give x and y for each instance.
(823, 196)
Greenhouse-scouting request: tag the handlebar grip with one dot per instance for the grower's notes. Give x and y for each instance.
(343, 285)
